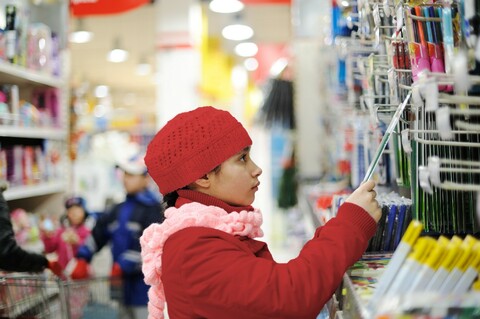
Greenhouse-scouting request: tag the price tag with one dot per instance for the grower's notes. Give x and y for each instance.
(406, 144)
(392, 84)
(443, 123)
(417, 100)
(477, 50)
(434, 170)
(386, 8)
(424, 180)
(399, 18)
(376, 16)
(431, 95)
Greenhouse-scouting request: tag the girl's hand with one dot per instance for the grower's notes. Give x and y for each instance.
(364, 196)
(70, 237)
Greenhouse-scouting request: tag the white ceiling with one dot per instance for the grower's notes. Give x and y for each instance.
(136, 30)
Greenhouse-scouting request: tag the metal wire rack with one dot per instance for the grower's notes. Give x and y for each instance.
(42, 296)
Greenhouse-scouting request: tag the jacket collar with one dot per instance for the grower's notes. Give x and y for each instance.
(188, 196)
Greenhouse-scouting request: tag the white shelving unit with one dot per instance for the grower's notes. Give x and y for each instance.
(51, 187)
(30, 132)
(24, 192)
(19, 75)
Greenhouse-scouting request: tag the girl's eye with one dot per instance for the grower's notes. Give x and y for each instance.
(244, 157)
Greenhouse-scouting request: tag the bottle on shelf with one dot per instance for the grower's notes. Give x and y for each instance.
(10, 32)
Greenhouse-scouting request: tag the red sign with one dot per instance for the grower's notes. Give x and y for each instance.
(248, 2)
(80, 8)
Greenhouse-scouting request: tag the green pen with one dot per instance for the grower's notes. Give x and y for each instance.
(386, 138)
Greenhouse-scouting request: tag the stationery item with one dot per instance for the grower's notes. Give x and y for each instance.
(389, 228)
(374, 244)
(400, 225)
(460, 267)
(417, 45)
(429, 266)
(412, 265)
(476, 285)
(386, 138)
(448, 44)
(398, 258)
(435, 51)
(470, 273)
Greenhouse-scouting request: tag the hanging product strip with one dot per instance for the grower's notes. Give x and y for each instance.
(431, 51)
(432, 36)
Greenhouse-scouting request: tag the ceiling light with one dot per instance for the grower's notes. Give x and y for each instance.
(251, 64)
(101, 91)
(226, 6)
(143, 67)
(117, 54)
(237, 32)
(278, 67)
(239, 77)
(100, 110)
(80, 35)
(246, 49)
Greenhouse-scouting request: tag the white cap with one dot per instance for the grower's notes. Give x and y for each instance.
(134, 165)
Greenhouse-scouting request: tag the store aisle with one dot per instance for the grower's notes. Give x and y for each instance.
(284, 230)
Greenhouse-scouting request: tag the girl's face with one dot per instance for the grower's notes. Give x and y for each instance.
(75, 215)
(134, 183)
(237, 180)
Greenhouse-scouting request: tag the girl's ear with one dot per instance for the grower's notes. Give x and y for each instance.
(202, 182)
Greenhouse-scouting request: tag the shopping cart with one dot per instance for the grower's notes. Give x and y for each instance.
(23, 296)
(43, 296)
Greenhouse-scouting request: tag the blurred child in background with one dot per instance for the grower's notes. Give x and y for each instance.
(66, 240)
(121, 227)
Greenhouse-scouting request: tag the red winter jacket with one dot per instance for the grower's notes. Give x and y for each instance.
(211, 274)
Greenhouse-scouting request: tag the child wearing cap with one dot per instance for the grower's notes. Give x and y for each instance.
(71, 234)
(204, 260)
(121, 227)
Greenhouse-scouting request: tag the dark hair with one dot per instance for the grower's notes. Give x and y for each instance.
(75, 201)
(170, 199)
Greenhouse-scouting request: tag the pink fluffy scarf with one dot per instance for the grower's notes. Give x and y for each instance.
(243, 223)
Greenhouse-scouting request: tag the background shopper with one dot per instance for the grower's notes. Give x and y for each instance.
(71, 234)
(121, 227)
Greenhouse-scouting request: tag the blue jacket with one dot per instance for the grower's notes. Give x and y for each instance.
(122, 227)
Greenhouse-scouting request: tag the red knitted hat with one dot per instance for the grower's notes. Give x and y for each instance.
(191, 145)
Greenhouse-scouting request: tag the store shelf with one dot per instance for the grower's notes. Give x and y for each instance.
(353, 307)
(19, 192)
(33, 132)
(15, 74)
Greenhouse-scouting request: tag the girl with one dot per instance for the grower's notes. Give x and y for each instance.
(66, 240)
(203, 260)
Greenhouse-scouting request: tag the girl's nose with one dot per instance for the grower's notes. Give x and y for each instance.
(257, 171)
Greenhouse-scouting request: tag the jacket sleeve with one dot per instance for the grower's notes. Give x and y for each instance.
(98, 238)
(130, 260)
(12, 256)
(220, 277)
(51, 242)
